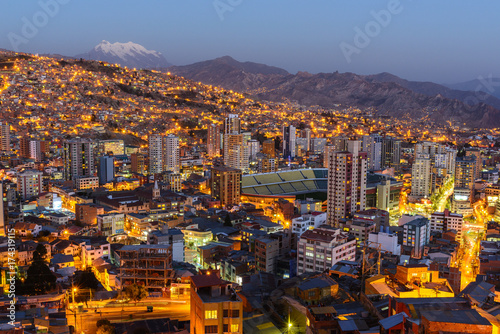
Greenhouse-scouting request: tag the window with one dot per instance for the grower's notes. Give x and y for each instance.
(235, 314)
(211, 329)
(234, 328)
(225, 328)
(225, 314)
(211, 314)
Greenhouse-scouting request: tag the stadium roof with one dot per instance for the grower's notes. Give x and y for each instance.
(292, 182)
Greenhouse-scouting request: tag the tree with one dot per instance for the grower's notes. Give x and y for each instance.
(40, 278)
(135, 292)
(87, 280)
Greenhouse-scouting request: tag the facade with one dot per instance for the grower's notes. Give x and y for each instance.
(113, 146)
(288, 141)
(307, 222)
(388, 242)
(171, 154)
(461, 201)
(215, 306)
(391, 153)
(87, 182)
(372, 145)
(146, 265)
(170, 237)
(4, 136)
(35, 150)
(269, 249)
(155, 144)
(138, 163)
(465, 174)
(416, 234)
(421, 177)
(346, 183)
(78, 158)
(106, 169)
(445, 221)
(93, 251)
(29, 183)
(111, 223)
(236, 151)
(225, 185)
(269, 148)
(319, 249)
(213, 140)
(479, 163)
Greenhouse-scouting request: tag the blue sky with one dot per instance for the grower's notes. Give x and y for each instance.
(441, 41)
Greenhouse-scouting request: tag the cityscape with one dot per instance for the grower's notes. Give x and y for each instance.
(226, 196)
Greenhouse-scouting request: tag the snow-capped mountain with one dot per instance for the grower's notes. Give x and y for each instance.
(128, 54)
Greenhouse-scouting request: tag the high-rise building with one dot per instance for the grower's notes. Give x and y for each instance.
(479, 162)
(421, 177)
(171, 154)
(35, 150)
(465, 173)
(416, 234)
(329, 149)
(253, 148)
(236, 152)
(288, 142)
(307, 136)
(29, 183)
(340, 143)
(4, 137)
(346, 182)
(391, 153)
(225, 185)
(155, 142)
(78, 158)
(215, 306)
(372, 145)
(24, 147)
(138, 163)
(317, 145)
(106, 169)
(232, 125)
(269, 148)
(213, 140)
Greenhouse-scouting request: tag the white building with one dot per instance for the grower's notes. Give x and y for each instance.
(421, 177)
(155, 144)
(29, 183)
(111, 223)
(58, 218)
(171, 154)
(253, 148)
(35, 150)
(388, 242)
(321, 248)
(91, 252)
(307, 222)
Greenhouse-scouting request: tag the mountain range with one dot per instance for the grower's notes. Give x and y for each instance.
(129, 54)
(385, 93)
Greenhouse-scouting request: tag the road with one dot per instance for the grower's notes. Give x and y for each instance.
(86, 321)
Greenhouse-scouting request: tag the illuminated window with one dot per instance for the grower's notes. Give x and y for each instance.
(211, 314)
(234, 328)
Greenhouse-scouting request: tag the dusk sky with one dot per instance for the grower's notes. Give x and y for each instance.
(441, 41)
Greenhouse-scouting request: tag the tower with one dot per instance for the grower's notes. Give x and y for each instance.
(346, 182)
(155, 154)
(171, 154)
(78, 157)
(289, 142)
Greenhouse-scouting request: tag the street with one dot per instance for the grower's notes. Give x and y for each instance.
(86, 321)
